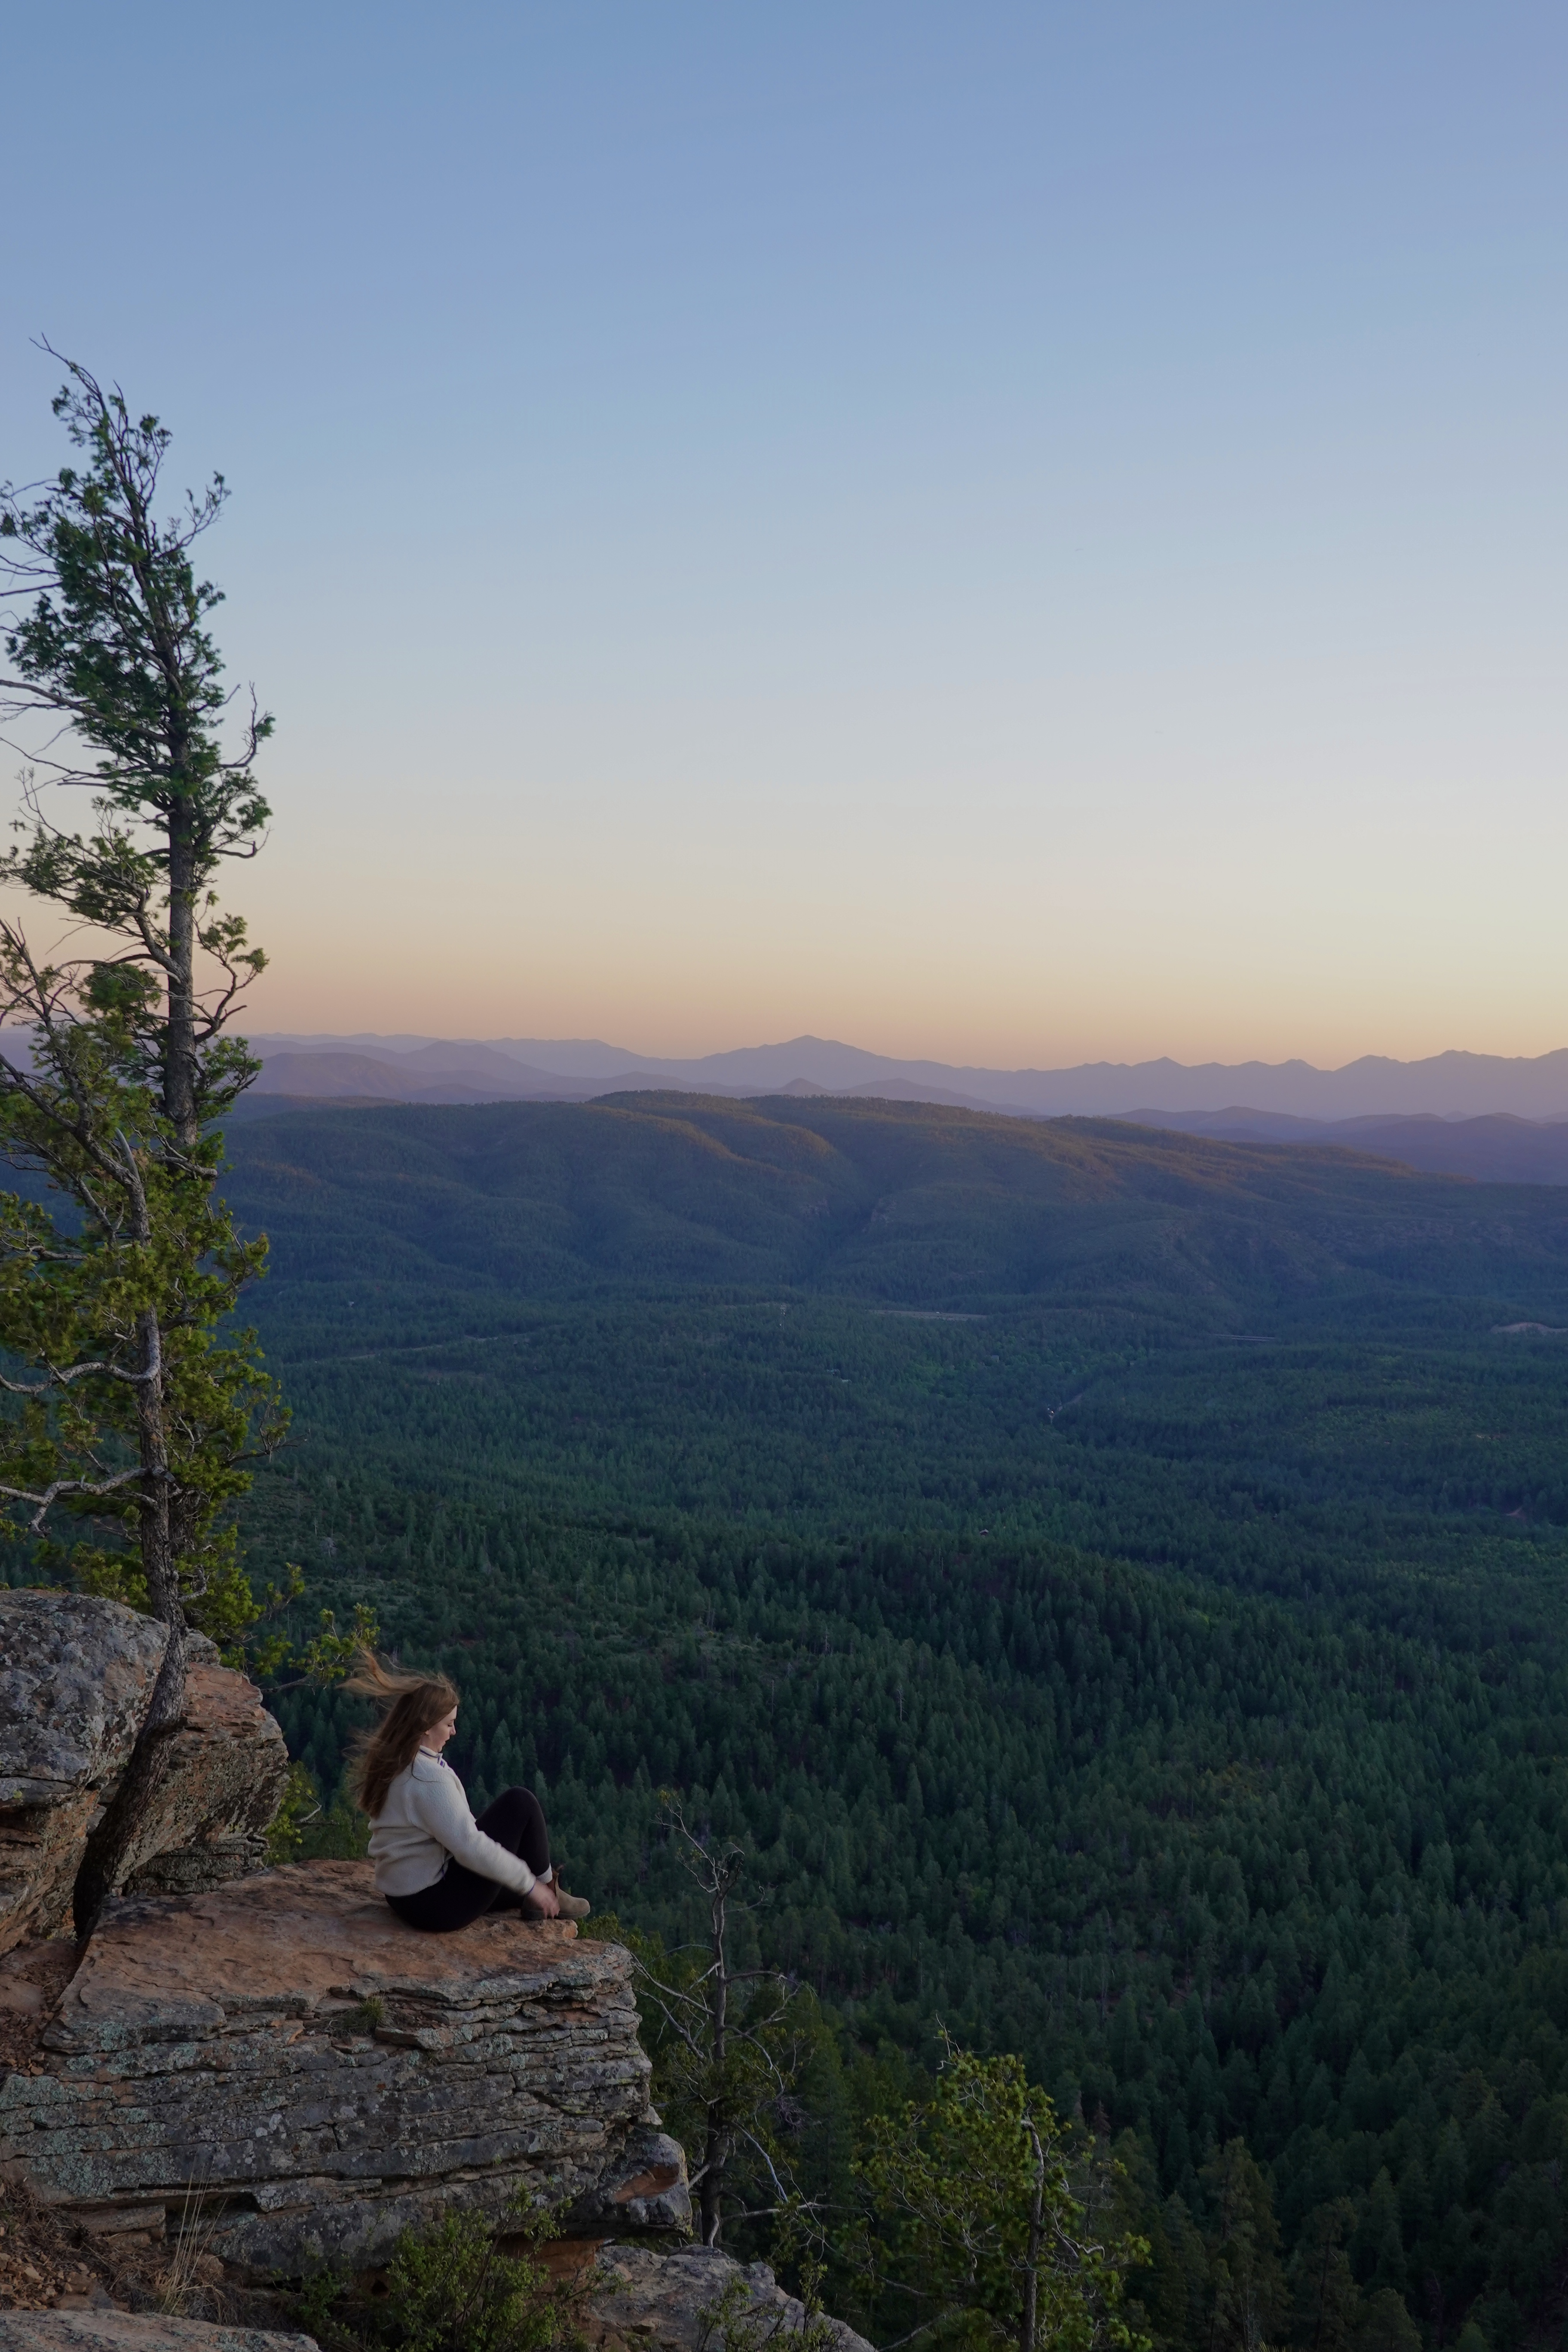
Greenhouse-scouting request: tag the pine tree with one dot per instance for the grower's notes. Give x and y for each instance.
(136, 1412)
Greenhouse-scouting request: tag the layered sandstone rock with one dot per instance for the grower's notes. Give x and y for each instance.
(75, 1677)
(285, 2055)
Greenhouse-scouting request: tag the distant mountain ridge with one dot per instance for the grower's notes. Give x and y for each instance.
(408, 1069)
(1497, 1149)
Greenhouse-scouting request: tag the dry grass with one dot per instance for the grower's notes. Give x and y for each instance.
(193, 2270)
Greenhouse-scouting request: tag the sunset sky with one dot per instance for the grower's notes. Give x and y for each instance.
(1014, 534)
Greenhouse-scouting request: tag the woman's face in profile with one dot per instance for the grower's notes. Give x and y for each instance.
(436, 1738)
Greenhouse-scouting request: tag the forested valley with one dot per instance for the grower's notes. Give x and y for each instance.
(1112, 1582)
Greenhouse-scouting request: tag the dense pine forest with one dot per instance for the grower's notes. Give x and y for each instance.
(1112, 1582)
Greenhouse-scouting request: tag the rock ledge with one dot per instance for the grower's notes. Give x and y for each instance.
(285, 2055)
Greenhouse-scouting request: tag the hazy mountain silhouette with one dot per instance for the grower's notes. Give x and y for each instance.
(1443, 1086)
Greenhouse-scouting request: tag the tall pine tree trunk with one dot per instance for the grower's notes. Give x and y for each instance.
(109, 1843)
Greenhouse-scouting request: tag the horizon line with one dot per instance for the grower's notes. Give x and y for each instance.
(398, 1041)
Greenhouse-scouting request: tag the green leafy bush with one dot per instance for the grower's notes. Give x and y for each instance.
(452, 2289)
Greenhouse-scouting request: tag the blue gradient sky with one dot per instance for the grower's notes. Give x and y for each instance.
(1007, 533)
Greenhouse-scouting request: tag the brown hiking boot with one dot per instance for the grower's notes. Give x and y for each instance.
(573, 1907)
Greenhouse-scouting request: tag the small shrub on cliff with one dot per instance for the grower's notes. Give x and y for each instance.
(306, 1830)
(739, 2322)
(300, 1802)
(451, 2289)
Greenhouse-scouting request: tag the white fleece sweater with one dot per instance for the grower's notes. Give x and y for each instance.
(425, 1823)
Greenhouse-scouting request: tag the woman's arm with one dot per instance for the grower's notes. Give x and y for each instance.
(439, 1804)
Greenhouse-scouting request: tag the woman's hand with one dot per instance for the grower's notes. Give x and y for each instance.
(541, 1899)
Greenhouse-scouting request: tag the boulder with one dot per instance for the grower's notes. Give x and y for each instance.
(643, 2298)
(217, 1804)
(284, 2055)
(75, 1677)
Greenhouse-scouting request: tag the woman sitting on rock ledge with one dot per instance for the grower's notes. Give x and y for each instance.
(437, 1866)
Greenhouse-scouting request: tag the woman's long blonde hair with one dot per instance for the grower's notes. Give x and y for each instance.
(412, 1704)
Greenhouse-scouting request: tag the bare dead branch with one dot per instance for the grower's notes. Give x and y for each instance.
(64, 1487)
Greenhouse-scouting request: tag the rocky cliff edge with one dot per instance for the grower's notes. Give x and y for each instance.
(285, 2055)
(267, 2062)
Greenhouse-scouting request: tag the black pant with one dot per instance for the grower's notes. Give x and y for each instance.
(516, 1821)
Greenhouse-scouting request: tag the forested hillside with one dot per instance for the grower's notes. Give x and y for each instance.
(1114, 1581)
(891, 1202)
